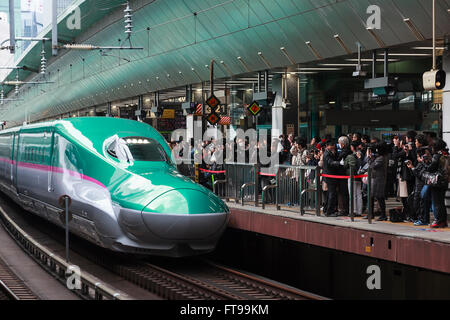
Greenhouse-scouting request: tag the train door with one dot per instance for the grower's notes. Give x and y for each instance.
(14, 159)
(54, 159)
(49, 160)
(8, 154)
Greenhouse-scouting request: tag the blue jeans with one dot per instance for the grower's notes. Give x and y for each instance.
(425, 194)
(438, 204)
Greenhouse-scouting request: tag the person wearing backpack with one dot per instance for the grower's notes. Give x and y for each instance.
(439, 166)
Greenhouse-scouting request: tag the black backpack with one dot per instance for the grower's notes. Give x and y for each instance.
(396, 215)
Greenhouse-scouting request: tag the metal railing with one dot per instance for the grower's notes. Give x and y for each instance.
(281, 186)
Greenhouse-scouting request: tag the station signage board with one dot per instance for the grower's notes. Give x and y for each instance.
(168, 114)
(220, 109)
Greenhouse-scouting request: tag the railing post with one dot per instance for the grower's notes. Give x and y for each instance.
(300, 186)
(369, 196)
(196, 172)
(277, 189)
(352, 194)
(237, 185)
(256, 180)
(318, 191)
(227, 197)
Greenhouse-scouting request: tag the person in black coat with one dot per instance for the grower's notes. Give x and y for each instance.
(438, 192)
(401, 154)
(331, 166)
(377, 159)
(421, 200)
(343, 195)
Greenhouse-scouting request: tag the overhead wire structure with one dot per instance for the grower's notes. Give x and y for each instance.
(128, 16)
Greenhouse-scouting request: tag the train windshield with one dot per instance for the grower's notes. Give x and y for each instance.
(141, 149)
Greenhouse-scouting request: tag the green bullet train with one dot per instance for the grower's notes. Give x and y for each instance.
(125, 191)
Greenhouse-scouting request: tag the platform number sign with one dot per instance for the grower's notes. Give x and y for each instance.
(254, 108)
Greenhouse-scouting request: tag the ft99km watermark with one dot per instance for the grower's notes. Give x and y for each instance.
(227, 309)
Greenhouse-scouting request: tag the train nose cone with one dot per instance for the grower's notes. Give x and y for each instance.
(183, 214)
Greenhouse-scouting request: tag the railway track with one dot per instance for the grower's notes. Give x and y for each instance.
(175, 279)
(91, 288)
(13, 288)
(204, 280)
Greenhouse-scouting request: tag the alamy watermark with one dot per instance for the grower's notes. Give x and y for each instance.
(374, 20)
(74, 280)
(374, 280)
(74, 19)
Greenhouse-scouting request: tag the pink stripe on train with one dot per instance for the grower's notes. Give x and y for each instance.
(53, 169)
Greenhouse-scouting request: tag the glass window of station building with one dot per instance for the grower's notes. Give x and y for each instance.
(319, 98)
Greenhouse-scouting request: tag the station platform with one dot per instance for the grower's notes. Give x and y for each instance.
(404, 243)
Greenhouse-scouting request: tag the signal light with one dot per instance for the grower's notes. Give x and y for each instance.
(434, 80)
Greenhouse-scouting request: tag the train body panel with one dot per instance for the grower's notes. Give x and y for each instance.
(141, 205)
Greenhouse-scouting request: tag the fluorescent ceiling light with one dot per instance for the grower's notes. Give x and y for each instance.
(409, 54)
(313, 50)
(319, 69)
(370, 60)
(414, 29)
(298, 72)
(427, 48)
(340, 64)
(376, 37)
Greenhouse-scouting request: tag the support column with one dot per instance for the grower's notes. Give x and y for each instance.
(338, 128)
(277, 109)
(12, 27)
(315, 128)
(108, 110)
(446, 100)
(139, 108)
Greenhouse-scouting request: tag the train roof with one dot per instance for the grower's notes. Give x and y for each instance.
(93, 131)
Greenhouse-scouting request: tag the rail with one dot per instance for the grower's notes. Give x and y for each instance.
(91, 287)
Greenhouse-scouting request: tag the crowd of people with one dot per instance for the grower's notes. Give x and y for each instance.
(413, 169)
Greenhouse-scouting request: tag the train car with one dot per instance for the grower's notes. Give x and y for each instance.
(126, 193)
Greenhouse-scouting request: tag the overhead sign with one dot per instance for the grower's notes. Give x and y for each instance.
(213, 102)
(254, 108)
(213, 118)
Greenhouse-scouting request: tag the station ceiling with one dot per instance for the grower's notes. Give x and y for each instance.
(179, 39)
